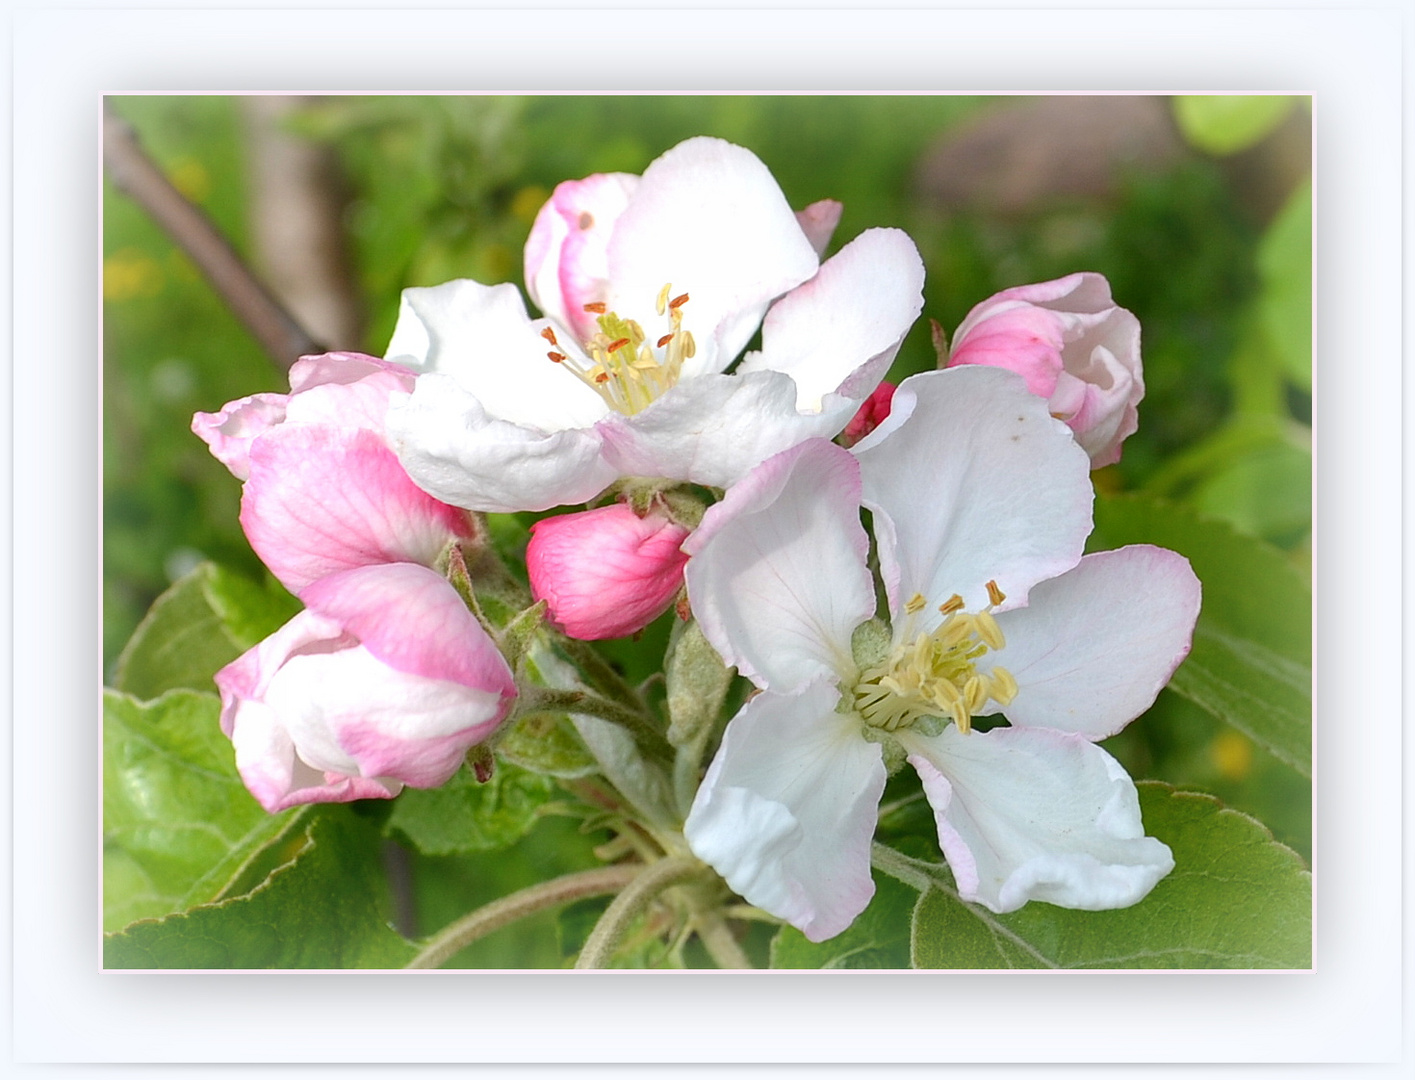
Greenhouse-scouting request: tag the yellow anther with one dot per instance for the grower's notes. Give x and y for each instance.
(915, 604)
(662, 302)
(952, 604)
(986, 628)
(995, 594)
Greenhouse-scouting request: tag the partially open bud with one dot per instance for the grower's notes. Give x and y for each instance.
(385, 679)
(607, 572)
(1074, 347)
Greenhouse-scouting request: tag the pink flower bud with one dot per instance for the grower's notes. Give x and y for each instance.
(607, 572)
(1073, 346)
(385, 679)
(336, 388)
(870, 414)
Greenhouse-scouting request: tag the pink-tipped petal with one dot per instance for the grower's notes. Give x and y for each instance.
(229, 432)
(819, 221)
(320, 499)
(971, 481)
(870, 414)
(777, 576)
(608, 572)
(1029, 814)
(787, 810)
(566, 258)
(1094, 647)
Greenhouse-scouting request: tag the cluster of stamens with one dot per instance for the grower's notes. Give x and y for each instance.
(937, 675)
(623, 368)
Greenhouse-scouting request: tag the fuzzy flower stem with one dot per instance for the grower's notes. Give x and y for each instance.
(543, 700)
(477, 924)
(608, 932)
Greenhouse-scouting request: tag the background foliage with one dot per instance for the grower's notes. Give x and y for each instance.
(1200, 218)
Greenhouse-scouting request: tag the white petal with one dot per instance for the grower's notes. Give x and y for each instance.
(852, 315)
(777, 575)
(1093, 647)
(714, 429)
(788, 808)
(709, 219)
(1028, 814)
(459, 454)
(971, 480)
(481, 336)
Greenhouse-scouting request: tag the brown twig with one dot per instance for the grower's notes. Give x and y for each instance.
(134, 173)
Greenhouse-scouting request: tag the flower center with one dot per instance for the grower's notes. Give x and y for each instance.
(623, 368)
(937, 674)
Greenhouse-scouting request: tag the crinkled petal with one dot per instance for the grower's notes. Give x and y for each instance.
(1094, 647)
(787, 810)
(777, 576)
(481, 336)
(411, 619)
(229, 432)
(324, 499)
(1030, 814)
(457, 452)
(709, 219)
(344, 369)
(714, 429)
(852, 315)
(566, 258)
(971, 480)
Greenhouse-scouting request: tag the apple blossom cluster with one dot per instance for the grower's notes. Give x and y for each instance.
(730, 482)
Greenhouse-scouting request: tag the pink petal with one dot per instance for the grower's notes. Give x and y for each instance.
(819, 221)
(229, 432)
(323, 499)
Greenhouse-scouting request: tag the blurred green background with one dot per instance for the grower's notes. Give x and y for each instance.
(1198, 210)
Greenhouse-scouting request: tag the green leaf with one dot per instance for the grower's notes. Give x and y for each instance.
(1285, 269)
(464, 816)
(1236, 899)
(1266, 492)
(1228, 123)
(322, 908)
(181, 643)
(879, 938)
(178, 824)
(250, 612)
(197, 627)
(1251, 661)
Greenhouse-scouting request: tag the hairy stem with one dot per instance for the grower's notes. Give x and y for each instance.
(720, 942)
(608, 932)
(442, 946)
(650, 739)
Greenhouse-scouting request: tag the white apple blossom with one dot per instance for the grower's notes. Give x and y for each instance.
(652, 286)
(981, 506)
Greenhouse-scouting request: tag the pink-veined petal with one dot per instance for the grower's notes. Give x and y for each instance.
(714, 429)
(851, 317)
(229, 432)
(1030, 814)
(708, 219)
(481, 336)
(787, 810)
(324, 499)
(971, 481)
(777, 576)
(457, 452)
(1094, 647)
